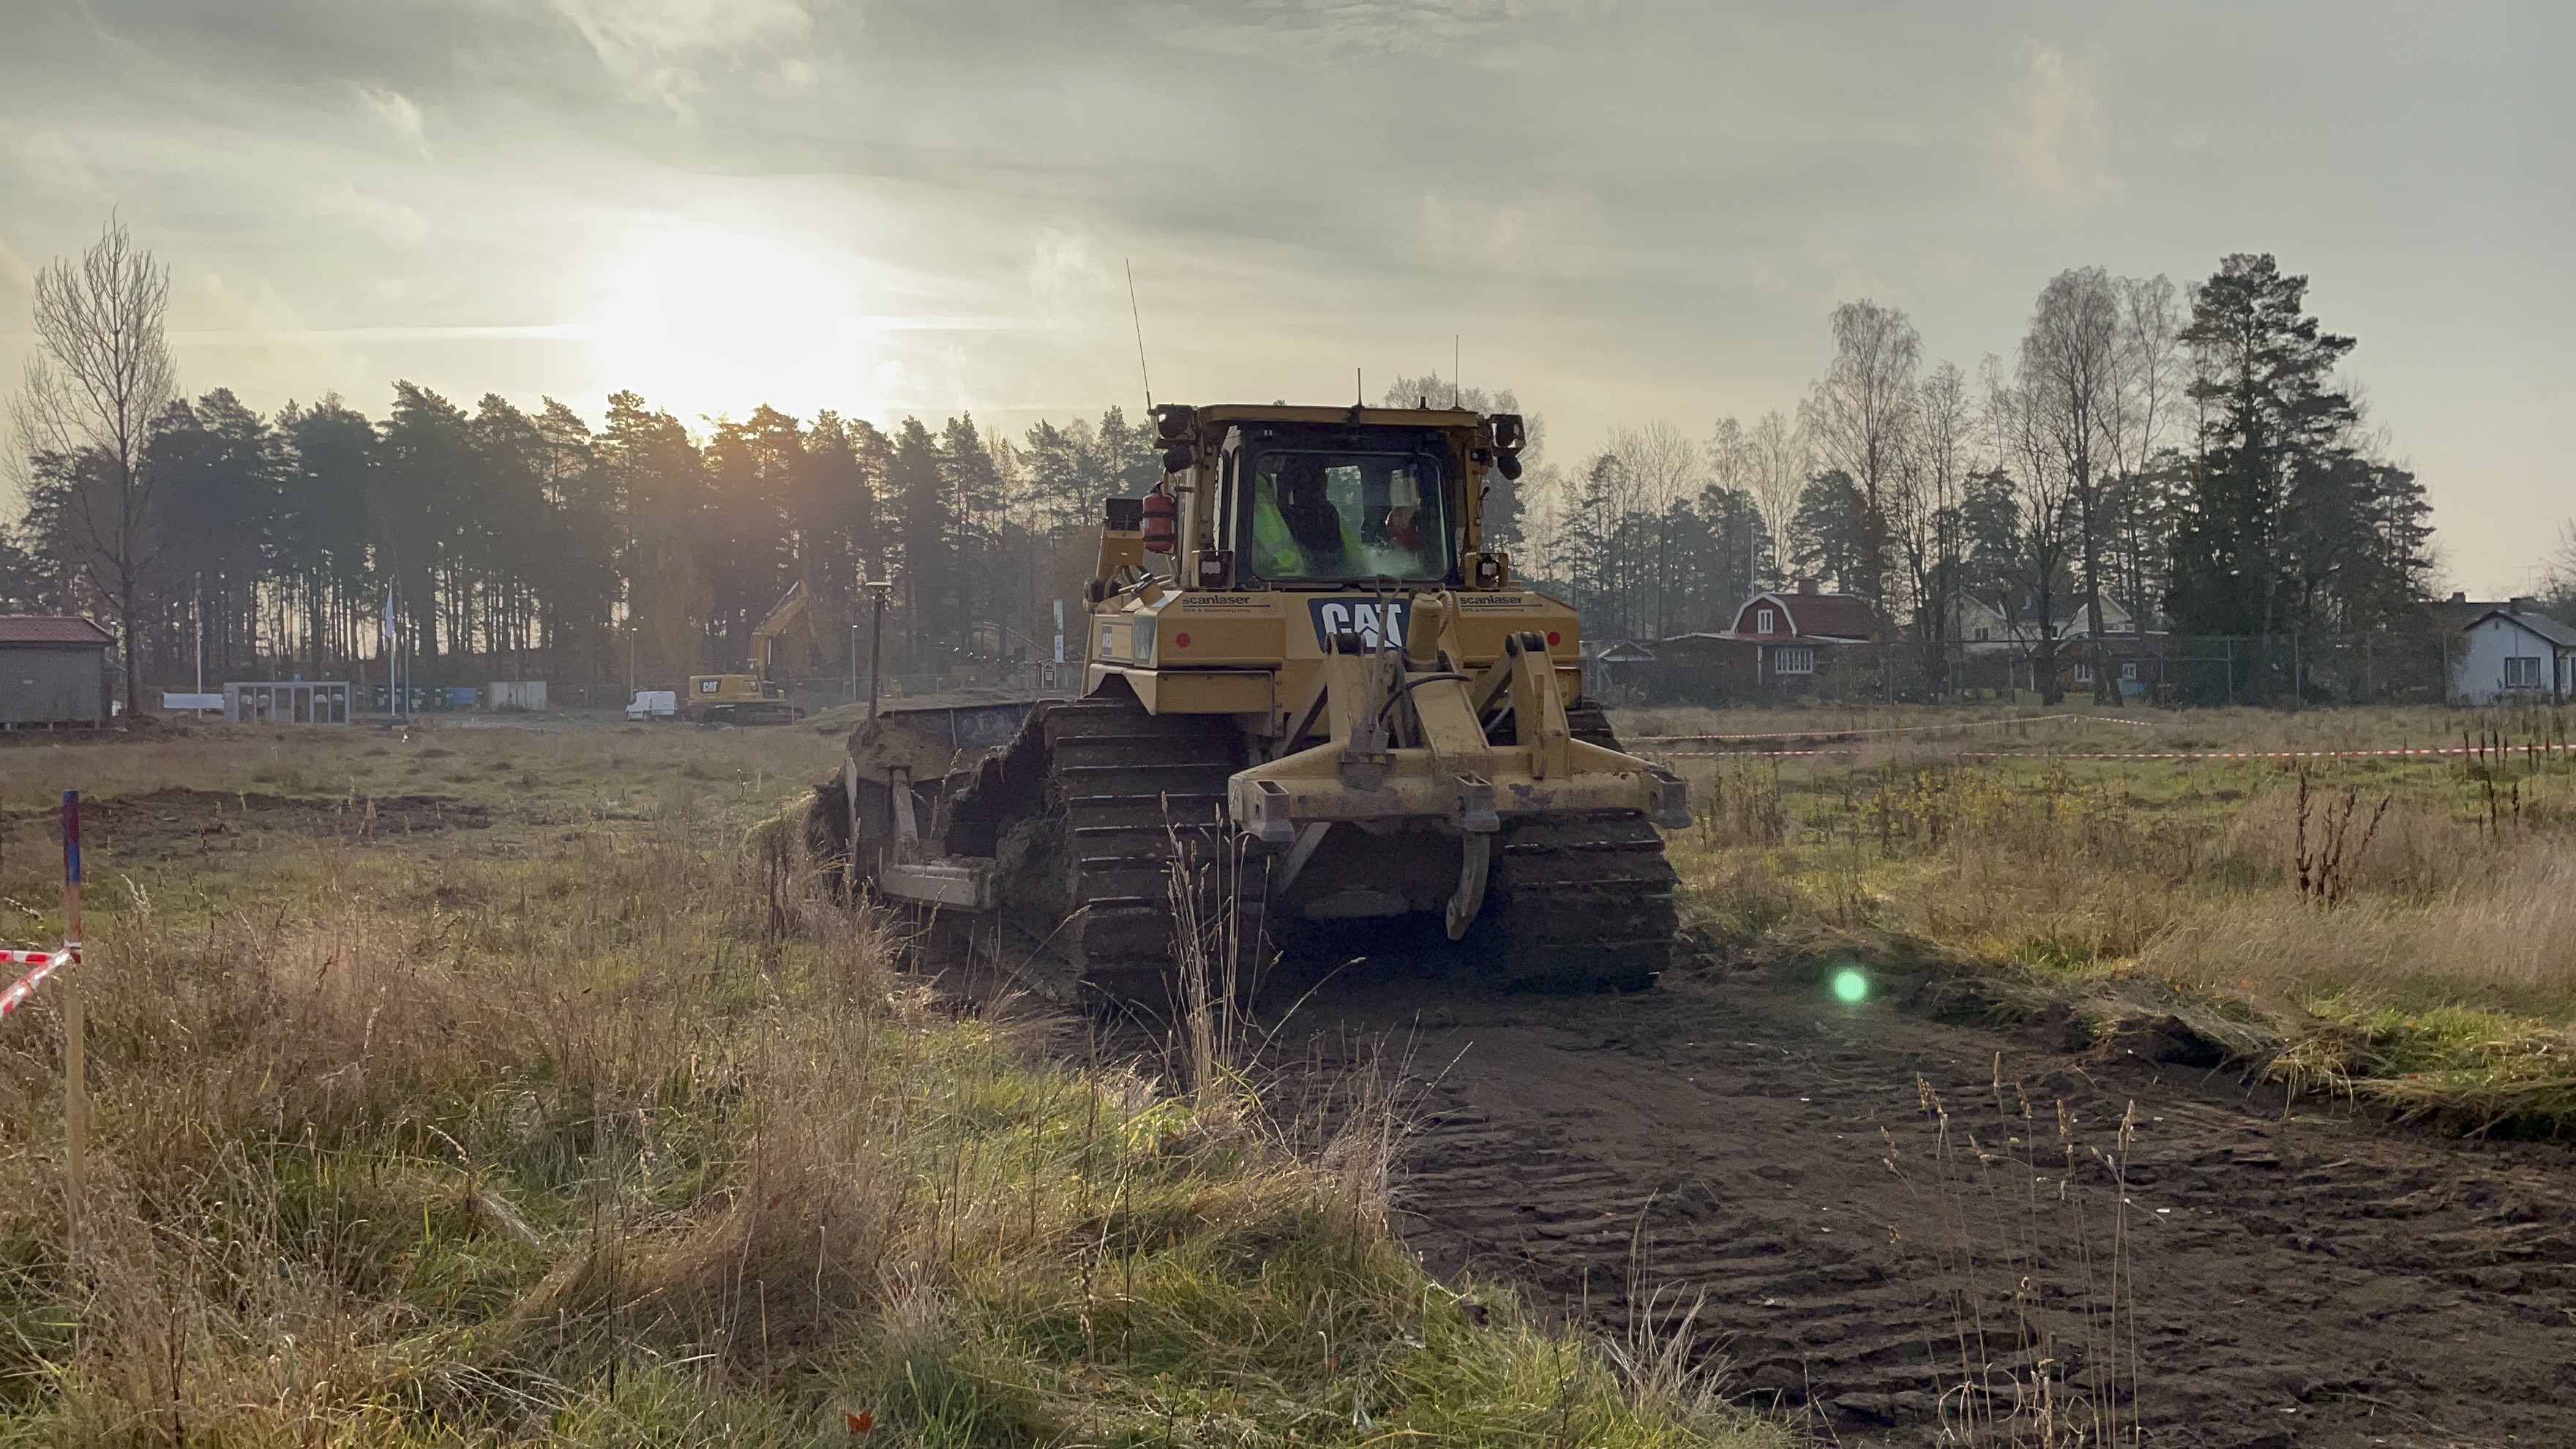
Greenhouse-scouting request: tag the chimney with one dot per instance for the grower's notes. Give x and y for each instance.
(2517, 605)
(1806, 586)
(2460, 598)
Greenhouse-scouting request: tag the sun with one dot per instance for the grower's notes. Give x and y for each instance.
(703, 322)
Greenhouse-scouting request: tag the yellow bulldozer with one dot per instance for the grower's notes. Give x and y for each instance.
(752, 698)
(1301, 659)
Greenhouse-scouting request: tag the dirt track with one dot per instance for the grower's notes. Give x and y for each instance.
(2308, 1280)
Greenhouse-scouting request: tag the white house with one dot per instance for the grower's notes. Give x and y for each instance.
(2510, 653)
(1982, 625)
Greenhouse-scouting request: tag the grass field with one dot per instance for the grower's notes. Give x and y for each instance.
(2398, 929)
(497, 1086)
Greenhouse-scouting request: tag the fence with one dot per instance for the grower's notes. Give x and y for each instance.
(2410, 666)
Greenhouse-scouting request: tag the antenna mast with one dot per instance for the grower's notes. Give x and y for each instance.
(1138, 317)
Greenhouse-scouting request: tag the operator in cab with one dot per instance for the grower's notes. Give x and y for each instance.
(1323, 517)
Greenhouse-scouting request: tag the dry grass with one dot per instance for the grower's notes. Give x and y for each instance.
(591, 1127)
(2330, 908)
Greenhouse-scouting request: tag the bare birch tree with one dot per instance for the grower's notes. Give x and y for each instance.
(2152, 376)
(1931, 535)
(1859, 415)
(2071, 360)
(100, 375)
(1664, 467)
(1735, 466)
(2043, 518)
(1782, 458)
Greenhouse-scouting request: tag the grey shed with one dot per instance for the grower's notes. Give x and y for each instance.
(53, 671)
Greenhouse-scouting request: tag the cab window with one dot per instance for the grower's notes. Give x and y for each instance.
(1323, 515)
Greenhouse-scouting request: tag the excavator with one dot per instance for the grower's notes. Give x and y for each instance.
(1307, 680)
(752, 698)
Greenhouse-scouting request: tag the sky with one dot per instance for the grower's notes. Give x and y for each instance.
(1624, 210)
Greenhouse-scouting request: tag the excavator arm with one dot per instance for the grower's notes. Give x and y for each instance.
(764, 640)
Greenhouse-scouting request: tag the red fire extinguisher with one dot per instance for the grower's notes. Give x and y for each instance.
(1159, 513)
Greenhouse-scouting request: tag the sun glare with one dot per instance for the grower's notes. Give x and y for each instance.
(704, 322)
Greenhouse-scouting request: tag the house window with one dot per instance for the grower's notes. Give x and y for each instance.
(1762, 621)
(1981, 634)
(2129, 669)
(1793, 661)
(2522, 672)
(2083, 671)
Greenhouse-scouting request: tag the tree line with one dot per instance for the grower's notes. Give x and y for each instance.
(492, 541)
(2185, 457)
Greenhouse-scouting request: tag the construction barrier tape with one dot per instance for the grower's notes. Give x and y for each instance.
(1831, 734)
(47, 962)
(2544, 749)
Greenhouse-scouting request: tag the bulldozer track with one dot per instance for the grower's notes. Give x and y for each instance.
(1107, 794)
(1124, 788)
(1578, 903)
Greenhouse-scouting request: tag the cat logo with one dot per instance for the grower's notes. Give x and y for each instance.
(1357, 616)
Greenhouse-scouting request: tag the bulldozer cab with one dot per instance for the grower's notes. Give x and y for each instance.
(1330, 498)
(1307, 505)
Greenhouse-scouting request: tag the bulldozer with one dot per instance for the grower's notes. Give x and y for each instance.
(1300, 661)
(751, 698)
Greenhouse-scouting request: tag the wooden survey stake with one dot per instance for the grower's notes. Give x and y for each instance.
(75, 1093)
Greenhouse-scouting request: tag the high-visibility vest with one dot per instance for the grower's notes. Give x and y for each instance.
(1275, 551)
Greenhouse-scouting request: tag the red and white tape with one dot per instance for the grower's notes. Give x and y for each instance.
(46, 964)
(2545, 749)
(1835, 734)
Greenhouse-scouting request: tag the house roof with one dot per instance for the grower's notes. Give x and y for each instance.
(2461, 612)
(2068, 607)
(2541, 624)
(58, 629)
(1831, 616)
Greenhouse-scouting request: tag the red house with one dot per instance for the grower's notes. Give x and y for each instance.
(1778, 642)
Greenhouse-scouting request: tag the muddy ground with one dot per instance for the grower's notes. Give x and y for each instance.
(1855, 1199)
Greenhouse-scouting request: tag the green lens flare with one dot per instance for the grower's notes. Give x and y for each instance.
(1850, 987)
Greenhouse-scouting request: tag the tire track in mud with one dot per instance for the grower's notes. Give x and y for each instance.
(1856, 1199)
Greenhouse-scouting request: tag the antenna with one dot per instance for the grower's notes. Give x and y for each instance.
(1359, 390)
(1457, 384)
(1138, 317)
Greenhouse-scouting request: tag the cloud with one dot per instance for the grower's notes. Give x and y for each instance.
(1483, 238)
(48, 163)
(1062, 268)
(396, 110)
(2058, 145)
(655, 47)
(390, 219)
(1383, 27)
(226, 325)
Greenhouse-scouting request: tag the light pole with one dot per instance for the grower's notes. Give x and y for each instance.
(877, 591)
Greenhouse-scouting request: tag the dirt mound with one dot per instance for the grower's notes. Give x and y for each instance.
(1887, 1218)
(178, 820)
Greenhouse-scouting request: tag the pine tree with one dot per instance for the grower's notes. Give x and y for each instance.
(921, 541)
(2269, 412)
